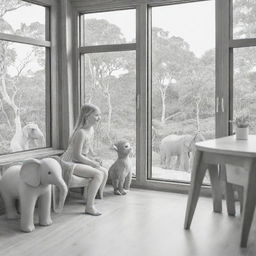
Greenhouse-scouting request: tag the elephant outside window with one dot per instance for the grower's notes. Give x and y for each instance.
(181, 146)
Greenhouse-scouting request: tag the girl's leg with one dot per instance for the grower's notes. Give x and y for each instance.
(104, 171)
(86, 171)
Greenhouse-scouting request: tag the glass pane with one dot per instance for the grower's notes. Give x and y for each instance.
(22, 18)
(109, 28)
(22, 97)
(245, 85)
(110, 83)
(183, 86)
(244, 19)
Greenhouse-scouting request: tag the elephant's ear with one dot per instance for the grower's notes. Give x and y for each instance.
(200, 137)
(187, 141)
(29, 172)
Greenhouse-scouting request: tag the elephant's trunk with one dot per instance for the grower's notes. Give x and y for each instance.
(59, 195)
(41, 141)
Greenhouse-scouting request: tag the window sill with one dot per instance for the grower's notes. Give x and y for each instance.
(21, 156)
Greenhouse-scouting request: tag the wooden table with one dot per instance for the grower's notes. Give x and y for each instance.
(226, 150)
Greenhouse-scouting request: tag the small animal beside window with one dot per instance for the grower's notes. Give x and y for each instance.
(120, 171)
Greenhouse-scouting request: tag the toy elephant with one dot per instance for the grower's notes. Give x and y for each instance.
(28, 182)
(180, 146)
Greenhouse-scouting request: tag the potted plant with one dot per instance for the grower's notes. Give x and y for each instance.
(242, 126)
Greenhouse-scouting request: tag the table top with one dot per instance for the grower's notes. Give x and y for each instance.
(230, 145)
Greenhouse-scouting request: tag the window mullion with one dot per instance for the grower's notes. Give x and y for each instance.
(24, 40)
(107, 48)
(237, 43)
(142, 83)
(222, 66)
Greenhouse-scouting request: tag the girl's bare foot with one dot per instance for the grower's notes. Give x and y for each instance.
(92, 211)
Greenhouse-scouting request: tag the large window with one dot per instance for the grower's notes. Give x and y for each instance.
(192, 79)
(24, 72)
(183, 85)
(108, 70)
(244, 60)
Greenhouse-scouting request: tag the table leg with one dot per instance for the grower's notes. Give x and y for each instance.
(229, 193)
(249, 204)
(198, 172)
(240, 192)
(216, 189)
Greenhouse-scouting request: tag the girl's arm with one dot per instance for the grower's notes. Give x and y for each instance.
(78, 156)
(91, 152)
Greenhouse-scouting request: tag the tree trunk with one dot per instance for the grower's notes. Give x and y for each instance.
(3, 90)
(198, 100)
(93, 75)
(163, 96)
(106, 93)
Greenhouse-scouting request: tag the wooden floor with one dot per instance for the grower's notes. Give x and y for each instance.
(141, 223)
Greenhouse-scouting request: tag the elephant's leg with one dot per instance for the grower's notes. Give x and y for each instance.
(168, 161)
(9, 202)
(127, 181)
(177, 165)
(44, 209)
(27, 206)
(163, 160)
(191, 159)
(181, 167)
(186, 162)
(121, 186)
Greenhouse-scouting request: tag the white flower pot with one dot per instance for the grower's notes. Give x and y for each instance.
(242, 133)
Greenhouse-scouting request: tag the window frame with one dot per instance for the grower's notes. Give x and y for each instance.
(96, 48)
(107, 48)
(234, 44)
(52, 109)
(143, 68)
(148, 182)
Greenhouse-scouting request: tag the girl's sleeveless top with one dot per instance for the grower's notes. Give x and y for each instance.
(66, 160)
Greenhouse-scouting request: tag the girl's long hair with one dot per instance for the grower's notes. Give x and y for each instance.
(85, 111)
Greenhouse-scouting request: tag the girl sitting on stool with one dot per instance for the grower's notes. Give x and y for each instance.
(79, 159)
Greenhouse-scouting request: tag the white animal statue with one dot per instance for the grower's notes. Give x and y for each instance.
(30, 136)
(30, 182)
(181, 146)
(120, 171)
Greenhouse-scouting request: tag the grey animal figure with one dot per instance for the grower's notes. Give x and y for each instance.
(120, 171)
